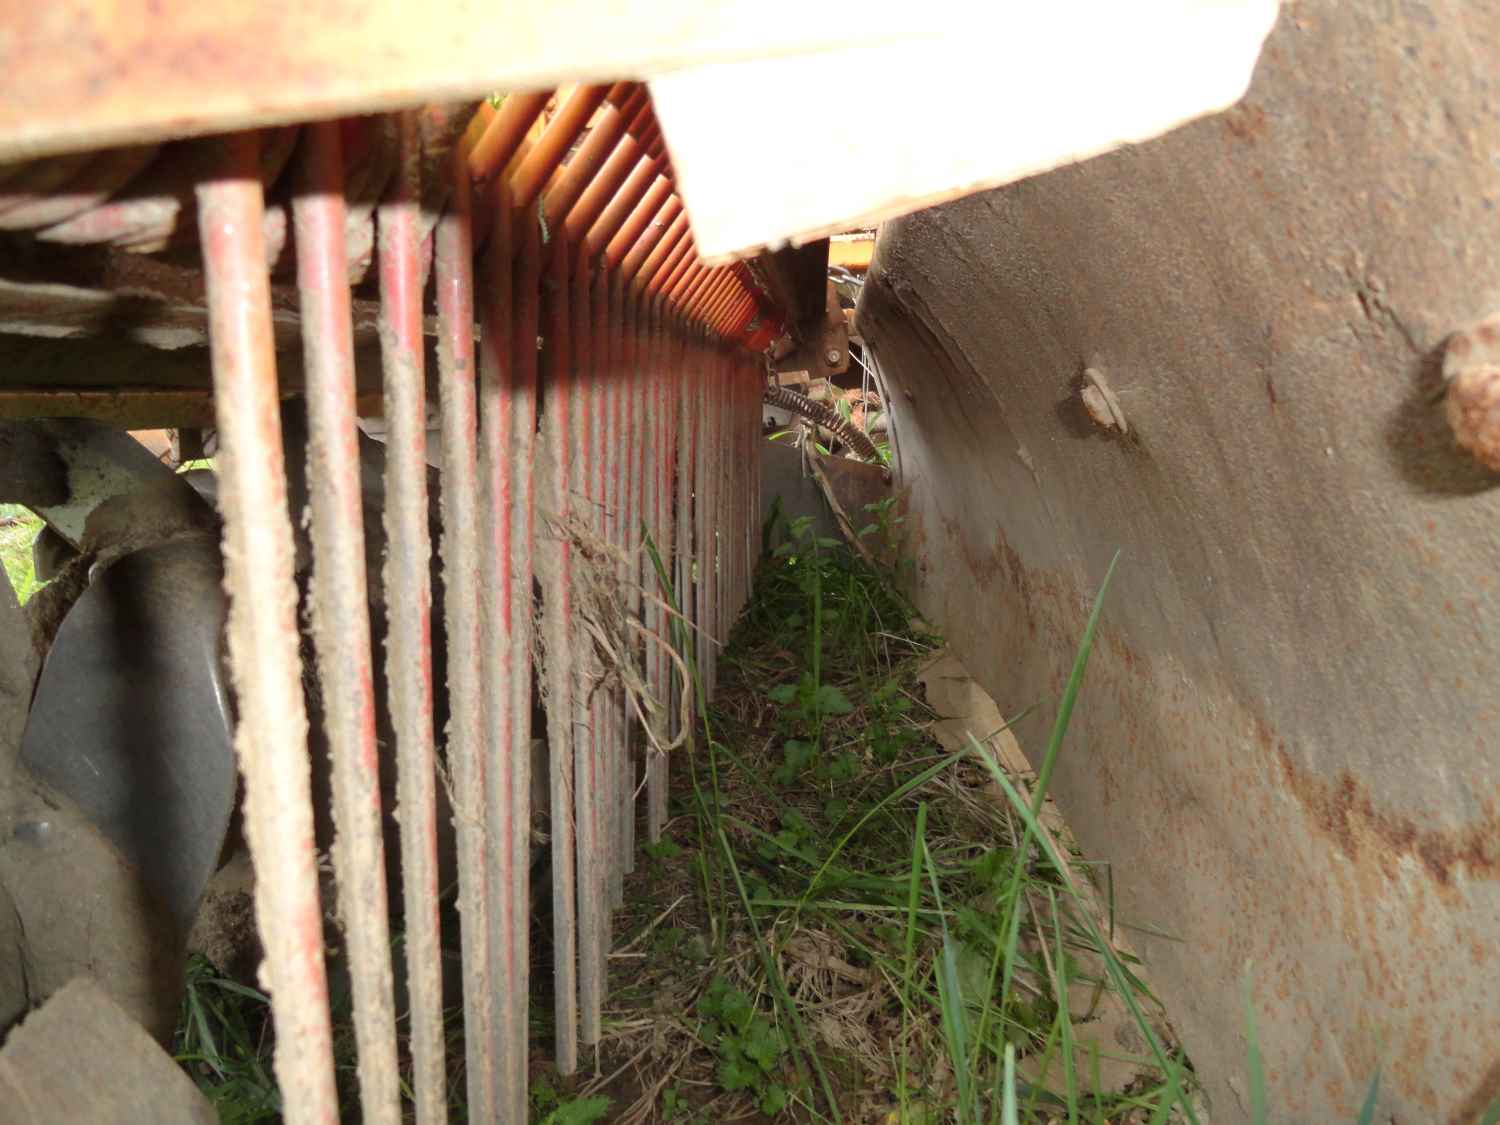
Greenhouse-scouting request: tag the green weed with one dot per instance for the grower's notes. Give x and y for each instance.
(18, 531)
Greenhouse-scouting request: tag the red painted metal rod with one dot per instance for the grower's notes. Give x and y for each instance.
(408, 596)
(458, 405)
(523, 399)
(650, 447)
(557, 628)
(264, 654)
(636, 200)
(656, 244)
(683, 453)
(684, 260)
(552, 146)
(496, 653)
(593, 855)
(505, 132)
(703, 528)
(585, 165)
(341, 613)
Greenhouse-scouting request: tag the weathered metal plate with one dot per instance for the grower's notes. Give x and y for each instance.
(1287, 743)
(131, 717)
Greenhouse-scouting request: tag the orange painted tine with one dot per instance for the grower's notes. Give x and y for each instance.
(506, 131)
(657, 205)
(655, 244)
(554, 143)
(584, 167)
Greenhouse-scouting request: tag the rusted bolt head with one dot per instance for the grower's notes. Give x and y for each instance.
(832, 356)
(1471, 367)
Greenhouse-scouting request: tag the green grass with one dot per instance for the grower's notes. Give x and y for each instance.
(818, 809)
(18, 531)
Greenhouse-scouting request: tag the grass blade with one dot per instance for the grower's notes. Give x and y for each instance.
(1253, 1062)
(951, 1002)
(914, 890)
(1064, 1015)
(1008, 1115)
(1070, 693)
(1372, 1095)
(1118, 975)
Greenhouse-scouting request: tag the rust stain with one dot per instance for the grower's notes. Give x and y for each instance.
(1343, 811)
(1246, 121)
(1483, 1096)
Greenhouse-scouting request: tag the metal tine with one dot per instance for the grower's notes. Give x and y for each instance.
(609, 711)
(649, 449)
(466, 627)
(408, 587)
(712, 450)
(497, 673)
(630, 501)
(657, 764)
(623, 329)
(642, 270)
(635, 453)
(576, 404)
(593, 855)
(524, 401)
(264, 657)
(340, 613)
(572, 791)
(683, 544)
(667, 337)
(702, 517)
(741, 528)
(592, 793)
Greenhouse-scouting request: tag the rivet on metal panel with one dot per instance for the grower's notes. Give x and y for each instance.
(1471, 370)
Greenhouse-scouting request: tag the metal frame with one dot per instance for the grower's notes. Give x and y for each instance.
(607, 393)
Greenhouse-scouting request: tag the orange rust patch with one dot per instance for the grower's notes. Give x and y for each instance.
(1343, 811)
(1480, 1099)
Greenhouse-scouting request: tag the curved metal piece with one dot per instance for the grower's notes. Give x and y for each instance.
(131, 717)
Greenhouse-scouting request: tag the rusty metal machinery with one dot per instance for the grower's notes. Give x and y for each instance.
(598, 389)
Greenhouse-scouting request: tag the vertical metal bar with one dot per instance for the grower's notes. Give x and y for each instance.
(593, 855)
(642, 438)
(714, 448)
(341, 613)
(465, 628)
(523, 404)
(558, 433)
(264, 653)
(702, 527)
(505, 132)
(408, 587)
(663, 412)
(681, 503)
(631, 342)
(606, 337)
(621, 343)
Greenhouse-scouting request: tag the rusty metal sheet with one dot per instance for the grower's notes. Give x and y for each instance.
(1287, 746)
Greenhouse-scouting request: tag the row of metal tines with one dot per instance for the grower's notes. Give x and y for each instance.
(598, 389)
